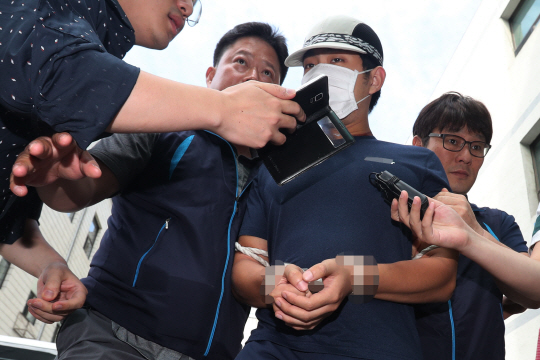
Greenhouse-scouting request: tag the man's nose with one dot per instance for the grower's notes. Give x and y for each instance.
(465, 155)
(252, 74)
(186, 7)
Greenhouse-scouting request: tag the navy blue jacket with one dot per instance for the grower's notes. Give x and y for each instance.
(163, 267)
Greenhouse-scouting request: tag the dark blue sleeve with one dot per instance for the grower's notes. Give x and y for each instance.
(58, 73)
(435, 177)
(510, 234)
(82, 90)
(255, 219)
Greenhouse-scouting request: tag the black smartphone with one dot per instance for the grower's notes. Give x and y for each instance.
(391, 186)
(319, 137)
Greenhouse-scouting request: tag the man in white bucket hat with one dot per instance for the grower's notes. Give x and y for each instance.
(332, 210)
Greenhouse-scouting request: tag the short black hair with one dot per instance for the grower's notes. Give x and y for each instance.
(261, 30)
(368, 62)
(452, 112)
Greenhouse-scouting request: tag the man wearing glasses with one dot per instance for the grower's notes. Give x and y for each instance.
(470, 325)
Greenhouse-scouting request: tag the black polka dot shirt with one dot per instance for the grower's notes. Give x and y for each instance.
(60, 70)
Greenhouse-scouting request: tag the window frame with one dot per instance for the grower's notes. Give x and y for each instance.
(89, 240)
(518, 48)
(4, 275)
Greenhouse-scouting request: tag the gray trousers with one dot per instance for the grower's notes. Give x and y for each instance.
(88, 335)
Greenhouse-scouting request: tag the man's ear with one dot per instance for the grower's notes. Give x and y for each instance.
(210, 73)
(377, 79)
(416, 141)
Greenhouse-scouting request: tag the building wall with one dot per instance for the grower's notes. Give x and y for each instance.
(67, 236)
(485, 67)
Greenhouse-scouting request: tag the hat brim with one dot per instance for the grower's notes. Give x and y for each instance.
(297, 57)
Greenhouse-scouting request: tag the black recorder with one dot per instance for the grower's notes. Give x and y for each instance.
(391, 186)
(319, 137)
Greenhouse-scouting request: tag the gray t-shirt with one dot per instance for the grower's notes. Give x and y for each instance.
(127, 155)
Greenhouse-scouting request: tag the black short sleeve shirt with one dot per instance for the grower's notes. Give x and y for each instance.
(60, 70)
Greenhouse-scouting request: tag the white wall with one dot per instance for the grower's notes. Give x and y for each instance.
(485, 67)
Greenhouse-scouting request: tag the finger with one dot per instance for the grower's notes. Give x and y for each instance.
(294, 109)
(296, 323)
(309, 304)
(278, 138)
(41, 148)
(414, 216)
(293, 274)
(320, 270)
(89, 166)
(293, 315)
(62, 140)
(52, 282)
(16, 184)
(44, 316)
(427, 223)
(75, 302)
(445, 190)
(394, 212)
(403, 207)
(276, 90)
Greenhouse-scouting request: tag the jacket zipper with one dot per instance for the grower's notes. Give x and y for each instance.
(166, 227)
(228, 249)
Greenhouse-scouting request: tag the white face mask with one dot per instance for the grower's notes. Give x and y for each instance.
(341, 81)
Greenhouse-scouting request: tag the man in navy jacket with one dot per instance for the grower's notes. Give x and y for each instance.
(458, 129)
(159, 285)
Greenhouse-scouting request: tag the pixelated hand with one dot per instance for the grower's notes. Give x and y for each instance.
(461, 205)
(256, 111)
(60, 293)
(440, 226)
(47, 159)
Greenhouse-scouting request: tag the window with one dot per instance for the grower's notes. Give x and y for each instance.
(31, 319)
(523, 21)
(535, 150)
(91, 237)
(4, 268)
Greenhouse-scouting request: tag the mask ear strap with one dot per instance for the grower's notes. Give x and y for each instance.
(364, 98)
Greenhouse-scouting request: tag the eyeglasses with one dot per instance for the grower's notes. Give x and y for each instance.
(456, 143)
(193, 19)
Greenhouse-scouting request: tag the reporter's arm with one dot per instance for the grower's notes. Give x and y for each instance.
(59, 290)
(249, 114)
(432, 278)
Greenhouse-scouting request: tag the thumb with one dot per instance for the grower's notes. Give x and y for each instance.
(445, 190)
(52, 282)
(320, 270)
(89, 166)
(277, 91)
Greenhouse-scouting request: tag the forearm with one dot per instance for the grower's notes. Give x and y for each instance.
(517, 275)
(31, 252)
(429, 279)
(247, 278)
(161, 105)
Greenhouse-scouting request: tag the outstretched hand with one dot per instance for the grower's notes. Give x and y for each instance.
(440, 226)
(60, 293)
(47, 159)
(255, 113)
